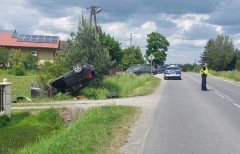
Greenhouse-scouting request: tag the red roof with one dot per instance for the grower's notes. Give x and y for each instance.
(6, 40)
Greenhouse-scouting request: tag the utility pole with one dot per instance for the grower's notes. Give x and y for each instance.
(131, 36)
(130, 39)
(94, 11)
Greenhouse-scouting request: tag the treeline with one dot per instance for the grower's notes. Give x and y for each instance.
(221, 54)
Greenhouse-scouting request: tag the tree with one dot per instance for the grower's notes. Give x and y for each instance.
(157, 45)
(131, 56)
(4, 55)
(219, 53)
(112, 46)
(16, 57)
(203, 57)
(84, 47)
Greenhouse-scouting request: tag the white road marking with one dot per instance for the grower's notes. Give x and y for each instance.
(219, 94)
(236, 105)
(215, 91)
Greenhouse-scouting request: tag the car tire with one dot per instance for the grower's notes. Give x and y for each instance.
(77, 68)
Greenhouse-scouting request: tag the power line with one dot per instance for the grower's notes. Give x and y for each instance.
(68, 5)
(154, 12)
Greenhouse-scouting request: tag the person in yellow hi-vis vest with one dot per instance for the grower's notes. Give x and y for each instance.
(204, 72)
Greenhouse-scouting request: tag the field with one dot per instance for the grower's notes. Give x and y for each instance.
(233, 75)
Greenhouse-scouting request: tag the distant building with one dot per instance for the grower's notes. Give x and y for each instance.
(42, 46)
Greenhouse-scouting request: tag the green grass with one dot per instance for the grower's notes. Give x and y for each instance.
(233, 75)
(92, 133)
(26, 127)
(20, 84)
(124, 85)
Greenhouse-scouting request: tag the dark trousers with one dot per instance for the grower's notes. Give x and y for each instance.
(204, 82)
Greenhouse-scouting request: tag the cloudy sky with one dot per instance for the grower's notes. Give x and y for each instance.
(187, 24)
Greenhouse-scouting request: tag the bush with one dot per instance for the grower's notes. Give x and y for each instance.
(4, 120)
(31, 62)
(18, 70)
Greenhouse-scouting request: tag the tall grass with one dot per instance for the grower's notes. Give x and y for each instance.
(26, 127)
(124, 85)
(92, 133)
(233, 75)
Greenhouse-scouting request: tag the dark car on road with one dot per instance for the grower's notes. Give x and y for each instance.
(142, 69)
(74, 80)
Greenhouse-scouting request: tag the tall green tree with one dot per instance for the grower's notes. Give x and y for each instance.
(4, 55)
(158, 46)
(203, 56)
(111, 45)
(85, 47)
(219, 53)
(131, 56)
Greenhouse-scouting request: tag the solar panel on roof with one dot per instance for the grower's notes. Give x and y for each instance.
(34, 40)
(28, 36)
(54, 37)
(41, 36)
(34, 36)
(21, 35)
(26, 39)
(37, 38)
(53, 41)
(47, 40)
(40, 40)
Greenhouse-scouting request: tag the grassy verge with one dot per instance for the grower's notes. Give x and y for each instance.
(20, 84)
(124, 85)
(233, 75)
(94, 132)
(26, 127)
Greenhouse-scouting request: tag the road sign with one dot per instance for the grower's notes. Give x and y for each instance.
(151, 57)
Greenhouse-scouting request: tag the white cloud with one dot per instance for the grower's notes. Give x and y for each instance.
(186, 21)
(149, 26)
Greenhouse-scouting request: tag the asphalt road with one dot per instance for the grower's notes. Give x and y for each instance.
(190, 121)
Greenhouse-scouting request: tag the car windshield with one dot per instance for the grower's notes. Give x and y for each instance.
(173, 68)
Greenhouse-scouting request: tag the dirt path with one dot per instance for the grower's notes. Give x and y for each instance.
(139, 130)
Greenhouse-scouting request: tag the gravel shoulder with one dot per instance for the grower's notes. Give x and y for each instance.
(140, 128)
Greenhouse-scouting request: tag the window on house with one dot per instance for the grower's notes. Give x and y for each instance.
(34, 53)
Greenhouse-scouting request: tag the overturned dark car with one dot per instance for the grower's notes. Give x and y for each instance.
(73, 81)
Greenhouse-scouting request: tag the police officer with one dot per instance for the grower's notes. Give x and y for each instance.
(204, 72)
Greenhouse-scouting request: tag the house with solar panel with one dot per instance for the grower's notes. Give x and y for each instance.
(43, 46)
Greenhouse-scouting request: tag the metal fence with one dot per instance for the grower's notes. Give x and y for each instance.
(1, 99)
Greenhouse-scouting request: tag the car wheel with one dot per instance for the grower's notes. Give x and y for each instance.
(77, 68)
(165, 78)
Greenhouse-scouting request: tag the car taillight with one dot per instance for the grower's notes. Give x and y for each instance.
(88, 76)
